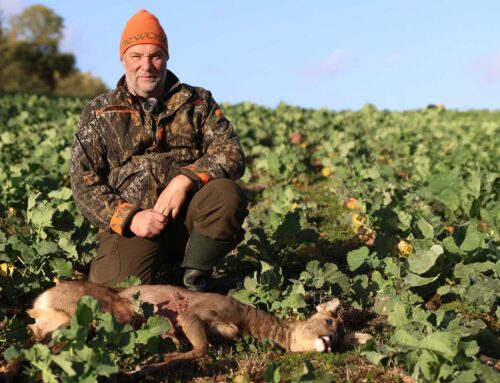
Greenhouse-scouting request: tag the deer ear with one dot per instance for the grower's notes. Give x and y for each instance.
(331, 307)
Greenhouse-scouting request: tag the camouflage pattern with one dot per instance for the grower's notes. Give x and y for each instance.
(125, 153)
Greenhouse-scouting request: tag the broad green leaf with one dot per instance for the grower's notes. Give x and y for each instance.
(318, 282)
(425, 228)
(486, 373)
(41, 216)
(422, 261)
(444, 343)
(398, 316)
(443, 180)
(443, 290)
(472, 269)
(449, 198)
(3, 241)
(32, 202)
(450, 245)
(296, 288)
(341, 280)
(64, 193)
(445, 371)
(48, 376)
(8, 138)
(404, 338)
(103, 365)
(428, 363)
(404, 219)
(371, 173)
(474, 183)
(330, 271)
(313, 266)
(272, 374)
(264, 266)
(473, 240)
(414, 280)
(46, 247)
(39, 357)
(379, 280)
(65, 364)
(130, 281)
(294, 301)
(244, 296)
(467, 376)
(12, 352)
(392, 268)
(247, 176)
(374, 357)
(61, 267)
(273, 162)
(86, 310)
(470, 348)
(271, 278)
(250, 284)
(486, 216)
(155, 326)
(356, 258)
(68, 247)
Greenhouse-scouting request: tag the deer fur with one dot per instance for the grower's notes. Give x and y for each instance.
(202, 318)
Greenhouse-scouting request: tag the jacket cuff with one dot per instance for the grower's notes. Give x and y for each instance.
(199, 179)
(122, 216)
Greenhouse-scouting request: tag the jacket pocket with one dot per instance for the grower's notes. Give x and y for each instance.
(142, 179)
(130, 181)
(121, 177)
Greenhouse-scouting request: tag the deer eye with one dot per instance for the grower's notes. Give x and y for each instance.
(329, 322)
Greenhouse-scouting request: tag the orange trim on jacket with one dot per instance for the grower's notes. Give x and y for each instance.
(119, 217)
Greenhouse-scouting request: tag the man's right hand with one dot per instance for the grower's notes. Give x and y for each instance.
(148, 223)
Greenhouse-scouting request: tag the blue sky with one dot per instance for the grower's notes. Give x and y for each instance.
(337, 54)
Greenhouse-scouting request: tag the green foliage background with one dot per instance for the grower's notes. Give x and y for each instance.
(395, 212)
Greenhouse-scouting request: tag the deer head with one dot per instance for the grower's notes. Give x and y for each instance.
(321, 332)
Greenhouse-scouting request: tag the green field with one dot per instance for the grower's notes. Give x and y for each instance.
(397, 213)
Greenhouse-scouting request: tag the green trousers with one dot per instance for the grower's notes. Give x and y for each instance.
(215, 211)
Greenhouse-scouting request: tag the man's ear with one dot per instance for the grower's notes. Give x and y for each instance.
(332, 307)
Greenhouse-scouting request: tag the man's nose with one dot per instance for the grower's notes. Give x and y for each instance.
(146, 63)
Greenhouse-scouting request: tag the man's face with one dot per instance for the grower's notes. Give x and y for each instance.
(145, 70)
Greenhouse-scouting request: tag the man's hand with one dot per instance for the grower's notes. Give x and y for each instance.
(148, 223)
(171, 199)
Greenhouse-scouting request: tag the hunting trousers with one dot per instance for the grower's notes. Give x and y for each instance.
(215, 211)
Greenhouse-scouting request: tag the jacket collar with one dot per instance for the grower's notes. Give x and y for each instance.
(173, 98)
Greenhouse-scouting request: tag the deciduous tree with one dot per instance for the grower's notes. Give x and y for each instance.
(30, 60)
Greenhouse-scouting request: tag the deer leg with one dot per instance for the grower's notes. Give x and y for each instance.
(46, 321)
(356, 338)
(195, 331)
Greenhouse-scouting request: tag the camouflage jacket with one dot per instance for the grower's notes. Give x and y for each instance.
(126, 150)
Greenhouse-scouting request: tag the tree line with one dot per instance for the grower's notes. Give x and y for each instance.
(31, 60)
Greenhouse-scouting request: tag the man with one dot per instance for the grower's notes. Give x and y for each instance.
(153, 165)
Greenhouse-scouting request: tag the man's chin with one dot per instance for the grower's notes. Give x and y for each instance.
(149, 91)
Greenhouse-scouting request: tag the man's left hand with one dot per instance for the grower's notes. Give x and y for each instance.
(172, 198)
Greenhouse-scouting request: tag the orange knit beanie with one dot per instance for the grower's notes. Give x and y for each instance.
(143, 28)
